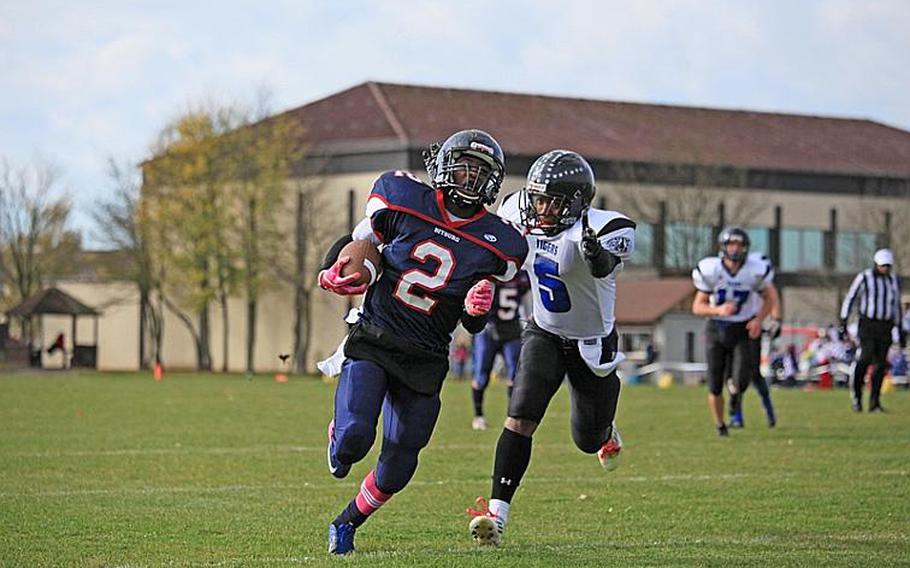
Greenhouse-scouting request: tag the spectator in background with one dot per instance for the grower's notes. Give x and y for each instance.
(461, 353)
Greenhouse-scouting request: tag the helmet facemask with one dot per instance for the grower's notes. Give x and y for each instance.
(468, 178)
(559, 214)
(734, 235)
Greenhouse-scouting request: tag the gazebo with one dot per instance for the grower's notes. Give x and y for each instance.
(53, 301)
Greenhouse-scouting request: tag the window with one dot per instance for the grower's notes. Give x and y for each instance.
(801, 249)
(687, 244)
(760, 240)
(644, 245)
(854, 250)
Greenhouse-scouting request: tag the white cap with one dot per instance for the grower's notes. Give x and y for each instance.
(883, 256)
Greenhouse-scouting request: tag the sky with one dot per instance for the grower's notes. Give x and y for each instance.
(85, 82)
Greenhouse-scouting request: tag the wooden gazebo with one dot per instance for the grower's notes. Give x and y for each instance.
(53, 301)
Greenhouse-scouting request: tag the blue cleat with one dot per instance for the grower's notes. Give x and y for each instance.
(736, 420)
(336, 468)
(341, 538)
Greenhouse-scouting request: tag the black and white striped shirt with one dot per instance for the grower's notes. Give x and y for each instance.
(879, 296)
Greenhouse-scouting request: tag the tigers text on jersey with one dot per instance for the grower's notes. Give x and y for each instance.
(711, 276)
(430, 260)
(568, 300)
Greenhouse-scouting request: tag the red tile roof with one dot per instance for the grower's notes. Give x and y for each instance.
(645, 301)
(529, 125)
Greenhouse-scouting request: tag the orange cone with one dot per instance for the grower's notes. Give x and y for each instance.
(158, 372)
(281, 378)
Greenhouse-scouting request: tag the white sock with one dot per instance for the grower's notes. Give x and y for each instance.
(501, 510)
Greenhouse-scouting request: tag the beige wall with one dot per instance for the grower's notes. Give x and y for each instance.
(799, 210)
(118, 327)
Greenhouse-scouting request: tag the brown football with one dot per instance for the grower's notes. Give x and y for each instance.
(363, 254)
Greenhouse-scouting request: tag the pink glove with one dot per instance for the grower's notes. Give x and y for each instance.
(331, 279)
(479, 299)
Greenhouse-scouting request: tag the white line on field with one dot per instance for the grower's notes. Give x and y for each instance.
(241, 488)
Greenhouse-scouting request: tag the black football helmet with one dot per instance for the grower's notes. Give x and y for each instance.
(566, 181)
(478, 186)
(734, 234)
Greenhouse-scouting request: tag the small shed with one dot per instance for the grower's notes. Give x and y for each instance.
(658, 311)
(53, 301)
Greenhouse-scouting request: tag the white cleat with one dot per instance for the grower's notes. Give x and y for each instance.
(479, 423)
(485, 531)
(610, 451)
(485, 526)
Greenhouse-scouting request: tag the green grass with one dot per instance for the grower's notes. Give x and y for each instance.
(198, 470)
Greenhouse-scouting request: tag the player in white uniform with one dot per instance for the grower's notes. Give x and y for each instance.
(735, 290)
(575, 254)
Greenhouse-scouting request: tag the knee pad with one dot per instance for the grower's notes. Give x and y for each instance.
(396, 467)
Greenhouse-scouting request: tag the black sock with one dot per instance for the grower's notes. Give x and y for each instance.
(351, 514)
(513, 454)
(477, 394)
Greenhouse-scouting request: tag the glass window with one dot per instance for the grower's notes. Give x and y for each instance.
(687, 244)
(644, 245)
(760, 240)
(801, 249)
(854, 250)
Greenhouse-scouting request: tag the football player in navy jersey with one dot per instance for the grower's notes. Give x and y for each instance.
(736, 291)
(439, 245)
(502, 335)
(575, 255)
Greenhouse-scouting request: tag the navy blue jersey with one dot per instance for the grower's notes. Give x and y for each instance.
(508, 298)
(430, 260)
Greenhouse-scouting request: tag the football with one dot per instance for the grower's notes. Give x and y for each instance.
(365, 259)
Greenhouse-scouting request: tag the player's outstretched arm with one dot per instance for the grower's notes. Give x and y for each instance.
(600, 262)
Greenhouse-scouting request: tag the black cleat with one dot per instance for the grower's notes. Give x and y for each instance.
(722, 431)
(877, 408)
(857, 406)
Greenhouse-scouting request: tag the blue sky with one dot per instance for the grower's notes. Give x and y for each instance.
(84, 81)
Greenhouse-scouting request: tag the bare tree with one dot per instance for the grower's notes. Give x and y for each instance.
(124, 226)
(316, 225)
(35, 245)
(693, 198)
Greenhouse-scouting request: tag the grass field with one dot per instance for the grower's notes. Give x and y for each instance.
(210, 470)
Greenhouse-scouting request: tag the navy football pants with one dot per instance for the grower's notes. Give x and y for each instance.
(408, 418)
(485, 350)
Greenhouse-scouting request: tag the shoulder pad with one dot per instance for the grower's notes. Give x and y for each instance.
(509, 208)
(398, 185)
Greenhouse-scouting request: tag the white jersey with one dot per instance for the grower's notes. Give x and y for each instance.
(712, 277)
(568, 300)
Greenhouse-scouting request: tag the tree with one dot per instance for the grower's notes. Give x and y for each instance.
(35, 245)
(694, 201)
(264, 154)
(182, 185)
(123, 221)
(220, 182)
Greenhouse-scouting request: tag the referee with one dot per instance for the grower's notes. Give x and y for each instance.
(877, 293)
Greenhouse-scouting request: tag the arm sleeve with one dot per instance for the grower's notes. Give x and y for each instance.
(332, 254)
(851, 297)
(474, 324)
(619, 241)
(698, 278)
(602, 263)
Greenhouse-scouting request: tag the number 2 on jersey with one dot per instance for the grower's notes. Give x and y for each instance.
(553, 292)
(416, 278)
